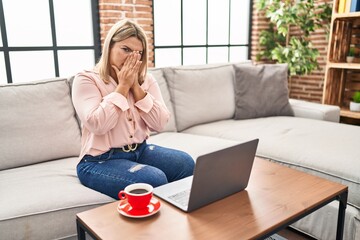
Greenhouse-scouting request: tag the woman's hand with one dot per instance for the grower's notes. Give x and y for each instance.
(128, 75)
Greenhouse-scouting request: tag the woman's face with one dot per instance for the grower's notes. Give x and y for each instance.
(120, 50)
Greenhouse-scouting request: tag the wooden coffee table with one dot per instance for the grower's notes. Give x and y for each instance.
(276, 197)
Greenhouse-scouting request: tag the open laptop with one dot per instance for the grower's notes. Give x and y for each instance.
(216, 176)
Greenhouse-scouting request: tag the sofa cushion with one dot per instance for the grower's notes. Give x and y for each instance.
(261, 91)
(42, 200)
(37, 122)
(322, 148)
(159, 77)
(195, 145)
(192, 89)
(322, 223)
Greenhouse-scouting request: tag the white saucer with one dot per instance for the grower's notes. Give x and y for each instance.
(125, 209)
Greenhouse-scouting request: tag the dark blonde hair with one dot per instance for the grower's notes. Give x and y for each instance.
(119, 32)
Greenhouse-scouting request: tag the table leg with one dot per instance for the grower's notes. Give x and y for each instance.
(341, 215)
(80, 231)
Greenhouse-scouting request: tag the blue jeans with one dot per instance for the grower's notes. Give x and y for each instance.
(112, 171)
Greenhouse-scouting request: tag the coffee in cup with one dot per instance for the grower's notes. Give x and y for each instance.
(138, 195)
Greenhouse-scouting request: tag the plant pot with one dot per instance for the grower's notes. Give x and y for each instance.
(349, 59)
(355, 107)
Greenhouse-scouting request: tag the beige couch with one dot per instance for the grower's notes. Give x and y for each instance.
(40, 140)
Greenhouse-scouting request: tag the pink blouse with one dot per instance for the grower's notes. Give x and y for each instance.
(109, 119)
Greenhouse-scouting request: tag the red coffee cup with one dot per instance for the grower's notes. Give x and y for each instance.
(138, 195)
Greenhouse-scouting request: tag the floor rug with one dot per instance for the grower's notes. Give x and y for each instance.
(275, 237)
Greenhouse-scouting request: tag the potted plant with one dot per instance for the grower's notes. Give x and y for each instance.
(351, 54)
(355, 104)
(277, 44)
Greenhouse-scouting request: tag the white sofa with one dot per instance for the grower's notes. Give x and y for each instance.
(40, 140)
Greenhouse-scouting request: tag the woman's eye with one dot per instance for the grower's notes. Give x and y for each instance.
(127, 50)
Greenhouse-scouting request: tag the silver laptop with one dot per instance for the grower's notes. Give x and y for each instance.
(216, 176)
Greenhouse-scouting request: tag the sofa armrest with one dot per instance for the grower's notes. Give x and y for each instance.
(317, 111)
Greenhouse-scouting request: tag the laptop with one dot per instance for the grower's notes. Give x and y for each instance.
(217, 175)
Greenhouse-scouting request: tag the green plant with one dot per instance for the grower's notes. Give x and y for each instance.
(351, 52)
(356, 97)
(278, 45)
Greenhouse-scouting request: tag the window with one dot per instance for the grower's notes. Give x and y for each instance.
(47, 38)
(188, 32)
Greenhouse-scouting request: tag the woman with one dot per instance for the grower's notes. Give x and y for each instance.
(118, 105)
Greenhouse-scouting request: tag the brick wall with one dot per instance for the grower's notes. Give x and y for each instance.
(140, 11)
(308, 87)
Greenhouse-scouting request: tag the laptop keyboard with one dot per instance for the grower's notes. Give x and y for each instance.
(181, 198)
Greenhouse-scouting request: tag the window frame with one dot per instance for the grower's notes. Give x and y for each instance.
(207, 45)
(54, 48)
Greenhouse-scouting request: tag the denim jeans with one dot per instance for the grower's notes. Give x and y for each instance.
(112, 171)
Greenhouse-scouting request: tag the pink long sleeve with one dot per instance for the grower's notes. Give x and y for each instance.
(111, 120)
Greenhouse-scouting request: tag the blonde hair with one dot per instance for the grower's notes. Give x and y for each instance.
(119, 32)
